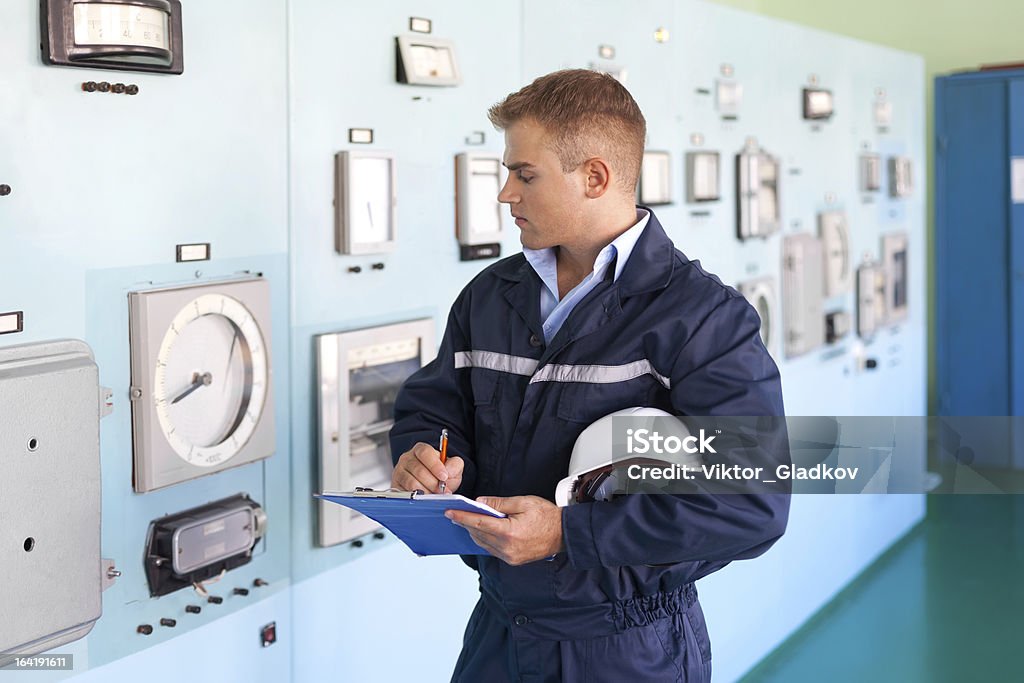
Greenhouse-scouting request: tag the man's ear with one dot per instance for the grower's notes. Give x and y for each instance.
(598, 177)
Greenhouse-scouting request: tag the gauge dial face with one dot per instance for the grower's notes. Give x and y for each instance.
(210, 379)
(432, 61)
(116, 24)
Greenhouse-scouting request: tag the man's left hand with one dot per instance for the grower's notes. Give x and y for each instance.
(532, 531)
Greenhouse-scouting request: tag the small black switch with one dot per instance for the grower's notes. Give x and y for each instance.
(144, 629)
(241, 591)
(193, 609)
(215, 599)
(171, 623)
(259, 583)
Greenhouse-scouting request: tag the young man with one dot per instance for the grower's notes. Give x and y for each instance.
(599, 313)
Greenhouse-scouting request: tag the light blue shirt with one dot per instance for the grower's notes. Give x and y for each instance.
(553, 311)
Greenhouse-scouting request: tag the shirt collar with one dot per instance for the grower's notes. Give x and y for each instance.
(545, 263)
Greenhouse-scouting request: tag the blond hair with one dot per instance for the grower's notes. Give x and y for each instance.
(585, 114)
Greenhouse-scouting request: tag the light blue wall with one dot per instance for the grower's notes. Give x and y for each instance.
(239, 152)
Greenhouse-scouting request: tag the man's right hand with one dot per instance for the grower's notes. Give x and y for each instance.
(420, 468)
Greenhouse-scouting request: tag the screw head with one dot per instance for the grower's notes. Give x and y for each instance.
(5, 190)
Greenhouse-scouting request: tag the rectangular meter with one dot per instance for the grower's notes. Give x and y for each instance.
(894, 263)
(870, 298)
(817, 104)
(478, 180)
(359, 374)
(365, 202)
(802, 285)
(757, 193)
(655, 179)
(702, 184)
(901, 182)
(728, 97)
(835, 239)
(426, 60)
(870, 173)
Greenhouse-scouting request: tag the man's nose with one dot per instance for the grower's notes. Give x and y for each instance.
(506, 196)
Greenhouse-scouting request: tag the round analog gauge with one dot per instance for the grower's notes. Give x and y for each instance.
(210, 379)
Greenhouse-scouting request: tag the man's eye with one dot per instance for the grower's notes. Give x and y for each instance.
(525, 179)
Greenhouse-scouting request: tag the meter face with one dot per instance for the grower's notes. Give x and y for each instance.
(109, 24)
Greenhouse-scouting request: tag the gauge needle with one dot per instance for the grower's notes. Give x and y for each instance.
(231, 354)
(203, 380)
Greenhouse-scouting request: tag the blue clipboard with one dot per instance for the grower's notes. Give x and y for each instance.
(417, 518)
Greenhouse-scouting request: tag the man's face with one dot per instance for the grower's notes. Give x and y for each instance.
(546, 203)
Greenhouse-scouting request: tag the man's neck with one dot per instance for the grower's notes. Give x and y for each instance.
(576, 261)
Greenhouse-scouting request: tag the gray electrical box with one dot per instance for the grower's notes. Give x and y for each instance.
(49, 496)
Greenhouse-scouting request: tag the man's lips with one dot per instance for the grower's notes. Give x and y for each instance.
(519, 219)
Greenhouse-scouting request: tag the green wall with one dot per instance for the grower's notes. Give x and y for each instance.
(951, 35)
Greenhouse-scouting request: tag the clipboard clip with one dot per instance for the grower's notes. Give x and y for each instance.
(367, 489)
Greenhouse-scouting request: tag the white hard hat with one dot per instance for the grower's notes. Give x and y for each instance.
(599, 455)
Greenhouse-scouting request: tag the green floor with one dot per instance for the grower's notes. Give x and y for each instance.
(945, 604)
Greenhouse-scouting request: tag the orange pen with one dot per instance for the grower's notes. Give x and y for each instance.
(444, 452)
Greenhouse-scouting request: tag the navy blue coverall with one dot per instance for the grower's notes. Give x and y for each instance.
(619, 604)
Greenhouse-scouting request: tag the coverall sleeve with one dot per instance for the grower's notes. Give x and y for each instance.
(437, 397)
(723, 369)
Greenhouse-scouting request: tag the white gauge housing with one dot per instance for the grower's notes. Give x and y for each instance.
(702, 177)
(870, 173)
(870, 298)
(835, 240)
(201, 380)
(358, 375)
(728, 98)
(655, 179)
(761, 295)
(817, 104)
(478, 180)
(757, 193)
(802, 285)
(896, 266)
(901, 182)
(425, 60)
(883, 113)
(366, 202)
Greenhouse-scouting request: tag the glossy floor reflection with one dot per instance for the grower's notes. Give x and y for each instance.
(945, 604)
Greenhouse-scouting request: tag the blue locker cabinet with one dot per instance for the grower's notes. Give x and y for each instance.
(979, 250)
(979, 242)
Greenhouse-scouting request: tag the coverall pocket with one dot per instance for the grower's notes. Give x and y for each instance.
(484, 383)
(644, 653)
(586, 403)
(487, 427)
